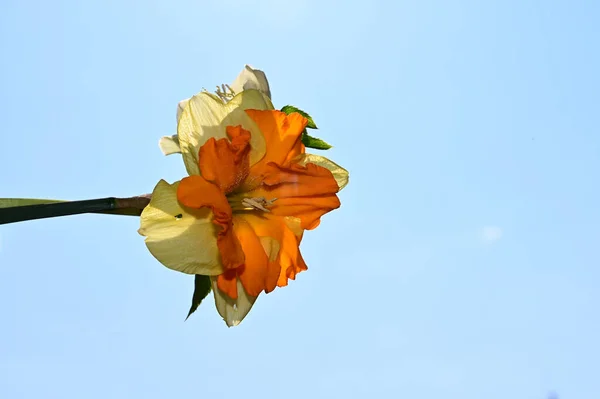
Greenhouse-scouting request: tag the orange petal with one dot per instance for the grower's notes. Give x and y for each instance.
(289, 261)
(240, 138)
(196, 192)
(298, 149)
(290, 258)
(224, 162)
(273, 273)
(272, 247)
(300, 181)
(282, 136)
(306, 192)
(308, 211)
(253, 274)
(232, 253)
(227, 282)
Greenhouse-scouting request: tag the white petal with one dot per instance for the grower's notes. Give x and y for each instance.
(169, 144)
(232, 311)
(206, 116)
(251, 78)
(248, 79)
(180, 107)
(339, 174)
(182, 239)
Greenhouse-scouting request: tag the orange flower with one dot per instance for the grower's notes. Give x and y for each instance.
(249, 203)
(252, 191)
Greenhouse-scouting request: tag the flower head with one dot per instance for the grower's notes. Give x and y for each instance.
(251, 193)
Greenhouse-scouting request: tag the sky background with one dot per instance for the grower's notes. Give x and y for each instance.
(464, 262)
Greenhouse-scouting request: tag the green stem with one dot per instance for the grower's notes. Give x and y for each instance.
(132, 206)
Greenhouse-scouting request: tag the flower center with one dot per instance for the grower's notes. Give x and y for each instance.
(224, 92)
(240, 203)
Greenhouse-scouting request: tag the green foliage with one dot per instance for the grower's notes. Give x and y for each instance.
(307, 140)
(288, 109)
(313, 142)
(201, 290)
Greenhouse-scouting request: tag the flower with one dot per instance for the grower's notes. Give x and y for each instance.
(251, 192)
(249, 78)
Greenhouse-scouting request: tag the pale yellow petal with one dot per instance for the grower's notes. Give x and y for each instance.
(180, 107)
(206, 116)
(339, 174)
(232, 311)
(180, 238)
(169, 145)
(251, 78)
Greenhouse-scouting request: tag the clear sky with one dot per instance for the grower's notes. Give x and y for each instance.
(464, 262)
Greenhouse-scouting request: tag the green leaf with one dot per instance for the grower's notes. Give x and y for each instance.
(313, 142)
(307, 140)
(201, 290)
(288, 109)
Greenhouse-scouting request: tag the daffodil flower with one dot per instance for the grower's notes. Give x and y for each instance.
(240, 214)
(249, 78)
(251, 192)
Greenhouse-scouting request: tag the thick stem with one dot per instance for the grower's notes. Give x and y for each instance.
(132, 206)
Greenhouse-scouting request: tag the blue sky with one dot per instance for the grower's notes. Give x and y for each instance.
(462, 264)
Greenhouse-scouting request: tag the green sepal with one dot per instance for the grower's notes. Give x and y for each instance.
(313, 142)
(202, 288)
(288, 109)
(307, 140)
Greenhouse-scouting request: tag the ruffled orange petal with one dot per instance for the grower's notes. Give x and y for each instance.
(257, 272)
(196, 192)
(253, 274)
(306, 192)
(271, 247)
(296, 150)
(288, 234)
(290, 258)
(273, 272)
(227, 282)
(224, 162)
(300, 181)
(282, 136)
(309, 212)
